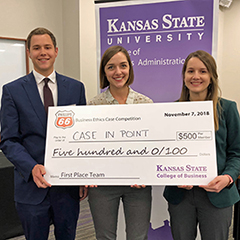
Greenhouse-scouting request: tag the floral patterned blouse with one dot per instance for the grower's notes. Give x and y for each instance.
(106, 98)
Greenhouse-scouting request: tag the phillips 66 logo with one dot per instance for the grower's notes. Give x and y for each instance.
(64, 119)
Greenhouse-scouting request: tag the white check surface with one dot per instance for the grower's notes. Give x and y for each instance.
(151, 144)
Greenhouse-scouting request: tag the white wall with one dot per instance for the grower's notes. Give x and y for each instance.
(18, 18)
(62, 17)
(229, 51)
(71, 45)
(88, 55)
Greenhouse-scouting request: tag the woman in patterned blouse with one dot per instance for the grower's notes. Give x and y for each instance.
(116, 73)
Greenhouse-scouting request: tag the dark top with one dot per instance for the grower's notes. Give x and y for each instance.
(228, 158)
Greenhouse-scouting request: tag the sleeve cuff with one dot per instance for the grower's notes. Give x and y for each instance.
(230, 179)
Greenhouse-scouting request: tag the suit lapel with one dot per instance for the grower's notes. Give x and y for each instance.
(62, 86)
(31, 89)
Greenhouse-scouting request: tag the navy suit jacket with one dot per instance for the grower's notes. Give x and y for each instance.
(23, 129)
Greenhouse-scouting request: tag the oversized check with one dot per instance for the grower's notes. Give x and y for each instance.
(151, 144)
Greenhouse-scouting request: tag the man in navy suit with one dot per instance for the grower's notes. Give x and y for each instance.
(23, 137)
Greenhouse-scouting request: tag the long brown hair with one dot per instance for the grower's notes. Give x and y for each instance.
(214, 91)
(108, 54)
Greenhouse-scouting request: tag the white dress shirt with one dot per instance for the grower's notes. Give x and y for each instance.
(52, 85)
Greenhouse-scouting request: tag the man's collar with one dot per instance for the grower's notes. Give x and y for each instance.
(39, 77)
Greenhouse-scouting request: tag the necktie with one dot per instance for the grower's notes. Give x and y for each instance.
(47, 95)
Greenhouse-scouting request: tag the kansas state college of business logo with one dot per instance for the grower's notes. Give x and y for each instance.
(64, 119)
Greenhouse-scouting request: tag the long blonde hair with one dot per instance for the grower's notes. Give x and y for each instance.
(214, 91)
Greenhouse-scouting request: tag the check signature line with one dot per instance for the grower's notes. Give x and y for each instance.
(102, 178)
(168, 140)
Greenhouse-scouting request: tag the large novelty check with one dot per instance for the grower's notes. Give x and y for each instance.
(151, 144)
